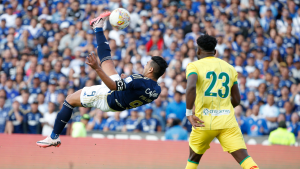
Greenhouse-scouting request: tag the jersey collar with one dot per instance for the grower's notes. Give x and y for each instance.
(209, 57)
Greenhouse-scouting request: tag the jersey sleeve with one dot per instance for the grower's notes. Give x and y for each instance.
(125, 84)
(235, 77)
(191, 69)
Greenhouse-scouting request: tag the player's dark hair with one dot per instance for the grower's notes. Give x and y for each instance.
(159, 66)
(207, 42)
(176, 122)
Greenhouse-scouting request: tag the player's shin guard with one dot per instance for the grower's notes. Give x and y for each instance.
(191, 165)
(62, 119)
(248, 163)
(103, 48)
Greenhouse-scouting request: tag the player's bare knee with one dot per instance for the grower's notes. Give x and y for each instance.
(69, 99)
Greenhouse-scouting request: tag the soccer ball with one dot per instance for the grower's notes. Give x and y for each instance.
(119, 18)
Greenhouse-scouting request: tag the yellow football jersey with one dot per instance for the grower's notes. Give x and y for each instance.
(213, 92)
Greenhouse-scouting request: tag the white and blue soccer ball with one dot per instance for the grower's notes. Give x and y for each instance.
(119, 18)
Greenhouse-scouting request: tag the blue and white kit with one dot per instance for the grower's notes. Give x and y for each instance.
(133, 91)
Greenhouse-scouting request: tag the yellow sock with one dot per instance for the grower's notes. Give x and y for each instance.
(191, 165)
(248, 163)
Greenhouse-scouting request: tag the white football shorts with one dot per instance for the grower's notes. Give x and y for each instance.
(96, 96)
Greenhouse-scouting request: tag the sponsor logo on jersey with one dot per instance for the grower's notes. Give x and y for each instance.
(128, 80)
(253, 167)
(206, 112)
(254, 128)
(151, 93)
(119, 104)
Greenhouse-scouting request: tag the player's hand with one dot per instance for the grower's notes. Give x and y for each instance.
(92, 61)
(123, 76)
(195, 121)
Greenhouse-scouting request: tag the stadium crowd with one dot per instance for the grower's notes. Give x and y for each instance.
(43, 45)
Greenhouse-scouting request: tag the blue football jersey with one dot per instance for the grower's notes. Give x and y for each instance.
(3, 118)
(25, 107)
(18, 126)
(294, 128)
(252, 126)
(138, 91)
(187, 124)
(131, 124)
(32, 121)
(98, 126)
(148, 125)
(114, 125)
(33, 90)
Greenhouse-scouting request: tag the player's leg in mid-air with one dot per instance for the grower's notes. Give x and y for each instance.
(231, 140)
(103, 48)
(75, 100)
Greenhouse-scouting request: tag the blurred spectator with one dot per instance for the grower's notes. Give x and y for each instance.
(255, 125)
(132, 121)
(294, 126)
(176, 132)
(79, 128)
(255, 81)
(284, 98)
(48, 119)
(186, 124)
(270, 112)
(9, 16)
(282, 136)
(240, 118)
(149, 124)
(288, 110)
(10, 91)
(251, 100)
(3, 114)
(42, 106)
(159, 110)
(15, 119)
(70, 40)
(176, 107)
(98, 121)
(296, 70)
(32, 120)
(33, 29)
(114, 124)
(51, 94)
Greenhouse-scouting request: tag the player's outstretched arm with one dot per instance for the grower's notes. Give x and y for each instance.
(190, 99)
(92, 61)
(235, 95)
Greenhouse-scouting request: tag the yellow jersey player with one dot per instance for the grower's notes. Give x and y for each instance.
(214, 82)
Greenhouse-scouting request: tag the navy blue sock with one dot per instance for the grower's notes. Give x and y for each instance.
(103, 48)
(62, 119)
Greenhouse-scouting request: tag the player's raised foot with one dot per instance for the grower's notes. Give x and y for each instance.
(48, 142)
(99, 21)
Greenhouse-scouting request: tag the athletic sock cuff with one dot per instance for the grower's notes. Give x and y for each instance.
(98, 30)
(244, 160)
(192, 162)
(68, 105)
(105, 58)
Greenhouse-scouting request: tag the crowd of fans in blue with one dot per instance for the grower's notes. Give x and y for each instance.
(43, 45)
